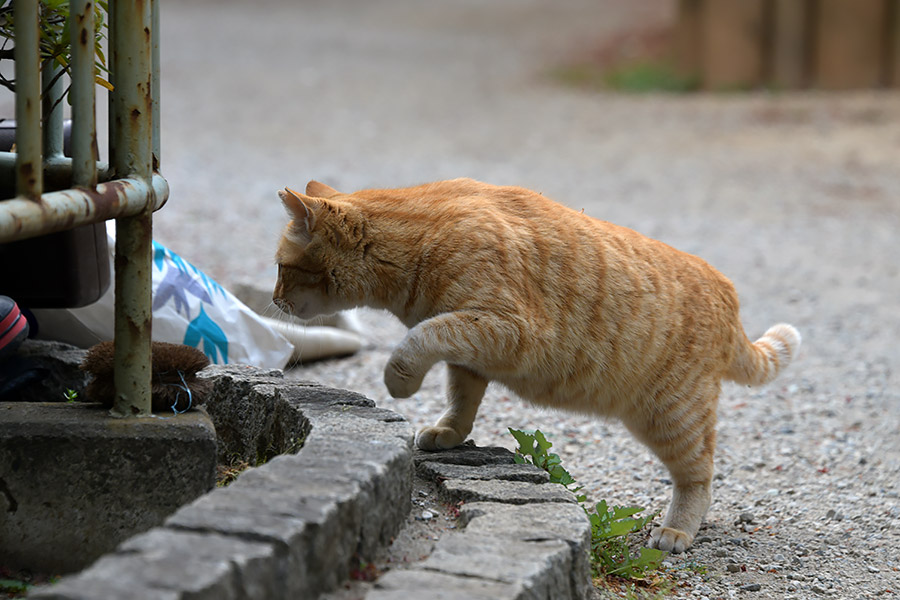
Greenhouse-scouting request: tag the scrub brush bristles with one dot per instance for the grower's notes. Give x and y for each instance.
(174, 382)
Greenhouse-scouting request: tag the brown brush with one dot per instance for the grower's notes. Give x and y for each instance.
(174, 382)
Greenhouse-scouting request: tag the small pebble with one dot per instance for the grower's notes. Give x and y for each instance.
(746, 517)
(751, 587)
(427, 515)
(733, 568)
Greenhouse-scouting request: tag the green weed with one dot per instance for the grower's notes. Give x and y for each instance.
(636, 77)
(611, 555)
(70, 395)
(533, 448)
(648, 76)
(13, 586)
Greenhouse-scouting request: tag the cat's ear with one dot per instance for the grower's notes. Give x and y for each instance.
(320, 190)
(301, 209)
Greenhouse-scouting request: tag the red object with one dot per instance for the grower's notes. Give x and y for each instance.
(13, 325)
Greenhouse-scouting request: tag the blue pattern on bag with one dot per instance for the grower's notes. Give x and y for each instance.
(203, 329)
(176, 285)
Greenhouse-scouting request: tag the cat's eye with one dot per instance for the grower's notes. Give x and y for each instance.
(299, 275)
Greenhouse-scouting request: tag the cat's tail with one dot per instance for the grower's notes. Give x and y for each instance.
(761, 361)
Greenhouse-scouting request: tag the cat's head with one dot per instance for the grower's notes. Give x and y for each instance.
(320, 256)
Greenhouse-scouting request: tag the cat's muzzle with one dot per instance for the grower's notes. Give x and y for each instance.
(285, 305)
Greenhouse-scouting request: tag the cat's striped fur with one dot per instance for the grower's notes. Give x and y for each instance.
(567, 311)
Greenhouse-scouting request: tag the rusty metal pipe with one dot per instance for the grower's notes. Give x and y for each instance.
(21, 218)
(29, 176)
(84, 113)
(157, 151)
(52, 109)
(132, 64)
(58, 173)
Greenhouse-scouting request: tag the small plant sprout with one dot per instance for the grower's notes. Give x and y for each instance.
(533, 448)
(70, 395)
(611, 555)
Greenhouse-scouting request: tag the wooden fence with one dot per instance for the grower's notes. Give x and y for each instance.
(790, 44)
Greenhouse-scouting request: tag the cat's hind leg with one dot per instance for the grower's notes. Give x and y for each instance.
(465, 390)
(685, 443)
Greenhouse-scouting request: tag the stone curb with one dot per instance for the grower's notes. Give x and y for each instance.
(519, 537)
(295, 526)
(291, 528)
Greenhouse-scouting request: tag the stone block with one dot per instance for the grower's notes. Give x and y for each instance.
(78, 588)
(540, 568)
(164, 563)
(290, 523)
(467, 454)
(46, 371)
(382, 469)
(436, 471)
(75, 482)
(252, 421)
(430, 585)
(357, 432)
(509, 492)
(308, 392)
(563, 522)
(338, 500)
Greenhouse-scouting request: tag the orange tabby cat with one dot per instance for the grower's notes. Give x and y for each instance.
(565, 310)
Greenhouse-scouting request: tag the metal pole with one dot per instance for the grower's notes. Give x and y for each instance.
(52, 110)
(21, 218)
(133, 139)
(157, 151)
(29, 174)
(82, 94)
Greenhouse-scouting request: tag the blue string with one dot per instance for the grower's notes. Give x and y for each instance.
(183, 386)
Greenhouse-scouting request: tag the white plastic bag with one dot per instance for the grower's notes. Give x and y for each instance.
(188, 308)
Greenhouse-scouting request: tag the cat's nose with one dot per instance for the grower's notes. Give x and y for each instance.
(284, 305)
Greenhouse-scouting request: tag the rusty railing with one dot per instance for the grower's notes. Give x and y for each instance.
(127, 189)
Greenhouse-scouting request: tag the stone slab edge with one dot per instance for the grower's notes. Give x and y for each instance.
(291, 528)
(519, 536)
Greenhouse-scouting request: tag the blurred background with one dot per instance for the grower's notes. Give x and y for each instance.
(791, 193)
(762, 136)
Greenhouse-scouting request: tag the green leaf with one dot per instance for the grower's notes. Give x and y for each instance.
(620, 528)
(13, 586)
(525, 440)
(543, 443)
(622, 512)
(102, 82)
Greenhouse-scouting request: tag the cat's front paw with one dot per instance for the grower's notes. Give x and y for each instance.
(670, 540)
(438, 438)
(400, 380)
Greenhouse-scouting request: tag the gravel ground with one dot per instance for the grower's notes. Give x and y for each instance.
(793, 196)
